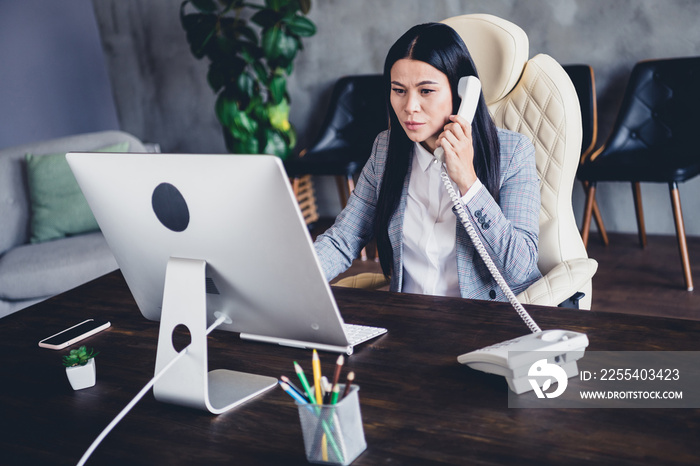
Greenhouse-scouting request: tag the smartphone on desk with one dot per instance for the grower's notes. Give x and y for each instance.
(74, 334)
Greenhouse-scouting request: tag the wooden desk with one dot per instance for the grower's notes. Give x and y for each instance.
(419, 406)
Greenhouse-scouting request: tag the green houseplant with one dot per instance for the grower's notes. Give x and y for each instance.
(80, 367)
(251, 48)
(79, 357)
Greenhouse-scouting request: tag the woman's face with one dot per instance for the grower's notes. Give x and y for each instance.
(422, 100)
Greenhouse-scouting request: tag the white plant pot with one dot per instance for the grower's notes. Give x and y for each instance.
(82, 376)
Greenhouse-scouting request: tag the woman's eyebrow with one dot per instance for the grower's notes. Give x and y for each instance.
(422, 83)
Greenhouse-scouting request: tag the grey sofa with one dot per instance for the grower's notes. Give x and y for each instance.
(32, 272)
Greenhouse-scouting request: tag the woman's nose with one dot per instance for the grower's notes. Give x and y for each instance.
(412, 104)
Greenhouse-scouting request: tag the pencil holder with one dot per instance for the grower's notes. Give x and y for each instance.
(333, 434)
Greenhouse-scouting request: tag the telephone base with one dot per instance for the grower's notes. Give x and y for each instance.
(516, 359)
(521, 385)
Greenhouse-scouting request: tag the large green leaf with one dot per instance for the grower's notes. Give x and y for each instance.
(260, 71)
(279, 5)
(237, 29)
(275, 144)
(225, 47)
(234, 66)
(239, 125)
(266, 18)
(200, 29)
(292, 136)
(215, 76)
(243, 125)
(271, 42)
(238, 122)
(287, 47)
(301, 26)
(257, 109)
(246, 85)
(226, 109)
(278, 88)
(224, 73)
(279, 116)
(241, 145)
(249, 53)
(247, 33)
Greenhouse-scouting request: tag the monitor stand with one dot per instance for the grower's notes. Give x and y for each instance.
(187, 382)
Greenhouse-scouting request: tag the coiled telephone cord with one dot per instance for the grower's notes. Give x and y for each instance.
(464, 218)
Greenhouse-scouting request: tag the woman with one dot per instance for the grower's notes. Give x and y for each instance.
(400, 198)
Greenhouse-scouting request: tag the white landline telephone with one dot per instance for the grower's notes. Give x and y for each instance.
(513, 358)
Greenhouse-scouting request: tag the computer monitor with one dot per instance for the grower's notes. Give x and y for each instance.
(206, 236)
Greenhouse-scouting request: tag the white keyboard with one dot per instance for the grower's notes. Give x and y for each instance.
(360, 333)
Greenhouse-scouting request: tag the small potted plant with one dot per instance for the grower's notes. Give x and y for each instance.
(80, 367)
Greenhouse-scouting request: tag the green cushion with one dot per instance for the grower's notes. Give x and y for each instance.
(59, 208)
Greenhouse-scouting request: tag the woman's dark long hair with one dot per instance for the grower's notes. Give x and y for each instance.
(441, 47)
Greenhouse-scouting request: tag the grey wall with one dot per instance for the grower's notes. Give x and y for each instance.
(53, 76)
(162, 95)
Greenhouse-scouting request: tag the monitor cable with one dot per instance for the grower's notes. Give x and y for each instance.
(220, 320)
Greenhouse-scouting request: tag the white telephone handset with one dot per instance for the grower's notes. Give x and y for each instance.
(469, 90)
(501, 358)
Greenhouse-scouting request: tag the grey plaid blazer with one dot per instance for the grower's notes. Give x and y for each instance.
(509, 230)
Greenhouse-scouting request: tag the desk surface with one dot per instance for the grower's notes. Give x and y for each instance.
(419, 406)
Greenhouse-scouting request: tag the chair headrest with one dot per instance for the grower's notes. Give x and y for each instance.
(499, 49)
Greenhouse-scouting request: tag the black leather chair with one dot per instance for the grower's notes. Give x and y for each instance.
(654, 139)
(357, 113)
(584, 81)
(583, 78)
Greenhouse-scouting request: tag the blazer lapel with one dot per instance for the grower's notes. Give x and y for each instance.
(396, 231)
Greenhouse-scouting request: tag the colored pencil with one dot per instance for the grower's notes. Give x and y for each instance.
(316, 365)
(338, 367)
(286, 380)
(351, 377)
(304, 382)
(293, 393)
(334, 396)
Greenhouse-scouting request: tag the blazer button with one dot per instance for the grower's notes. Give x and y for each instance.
(492, 294)
(487, 225)
(477, 214)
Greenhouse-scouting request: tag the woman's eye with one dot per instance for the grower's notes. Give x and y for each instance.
(426, 91)
(398, 90)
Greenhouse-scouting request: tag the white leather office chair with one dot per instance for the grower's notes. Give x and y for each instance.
(535, 97)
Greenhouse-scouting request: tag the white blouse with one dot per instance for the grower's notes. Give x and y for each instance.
(429, 230)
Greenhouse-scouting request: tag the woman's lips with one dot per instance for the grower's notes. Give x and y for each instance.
(412, 125)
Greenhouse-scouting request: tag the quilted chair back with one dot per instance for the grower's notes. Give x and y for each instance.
(535, 97)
